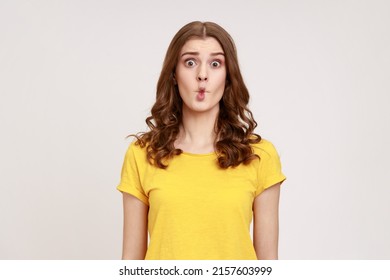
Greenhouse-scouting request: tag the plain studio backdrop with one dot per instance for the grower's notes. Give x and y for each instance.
(76, 77)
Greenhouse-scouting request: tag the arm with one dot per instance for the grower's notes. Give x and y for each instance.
(135, 224)
(266, 223)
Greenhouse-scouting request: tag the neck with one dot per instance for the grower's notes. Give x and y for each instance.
(197, 130)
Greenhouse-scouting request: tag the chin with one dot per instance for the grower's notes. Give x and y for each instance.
(203, 108)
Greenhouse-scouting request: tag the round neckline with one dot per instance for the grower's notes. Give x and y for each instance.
(198, 155)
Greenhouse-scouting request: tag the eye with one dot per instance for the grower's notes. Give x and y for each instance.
(215, 63)
(190, 62)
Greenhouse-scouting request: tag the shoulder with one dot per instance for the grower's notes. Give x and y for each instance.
(264, 149)
(136, 146)
(136, 150)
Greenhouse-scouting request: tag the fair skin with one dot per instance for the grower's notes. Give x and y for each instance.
(135, 235)
(200, 76)
(266, 223)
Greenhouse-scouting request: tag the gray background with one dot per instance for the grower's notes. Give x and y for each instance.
(76, 77)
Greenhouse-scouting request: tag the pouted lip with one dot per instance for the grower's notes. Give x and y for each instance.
(201, 89)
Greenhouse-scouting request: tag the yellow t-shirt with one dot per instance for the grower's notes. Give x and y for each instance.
(196, 209)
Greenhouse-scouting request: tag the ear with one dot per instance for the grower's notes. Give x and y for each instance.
(174, 79)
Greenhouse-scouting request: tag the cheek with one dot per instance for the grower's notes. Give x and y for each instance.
(221, 80)
(221, 75)
(183, 76)
(183, 83)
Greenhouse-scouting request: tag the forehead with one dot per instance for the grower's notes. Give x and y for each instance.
(208, 44)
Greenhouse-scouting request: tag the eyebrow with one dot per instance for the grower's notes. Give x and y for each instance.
(197, 53)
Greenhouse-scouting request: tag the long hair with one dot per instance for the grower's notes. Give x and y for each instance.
(235, 124)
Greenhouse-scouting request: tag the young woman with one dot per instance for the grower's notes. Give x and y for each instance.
(197, 177)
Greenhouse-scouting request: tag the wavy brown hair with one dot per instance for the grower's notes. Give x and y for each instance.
(235, 124)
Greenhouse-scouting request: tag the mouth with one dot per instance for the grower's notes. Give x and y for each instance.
(201, 94)
(201, 90)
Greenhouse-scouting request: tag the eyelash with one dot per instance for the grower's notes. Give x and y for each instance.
(188, 60)
(218, 61)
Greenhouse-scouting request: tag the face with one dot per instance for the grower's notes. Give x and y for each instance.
(201, 75)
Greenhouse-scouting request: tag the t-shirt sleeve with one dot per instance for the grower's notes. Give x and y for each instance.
(130, 176)
(270, 170)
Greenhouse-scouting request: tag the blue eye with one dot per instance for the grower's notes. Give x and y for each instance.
(215, 64)
(190, 62)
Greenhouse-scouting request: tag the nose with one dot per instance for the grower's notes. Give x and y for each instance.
(202, 75)
(202, 78)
